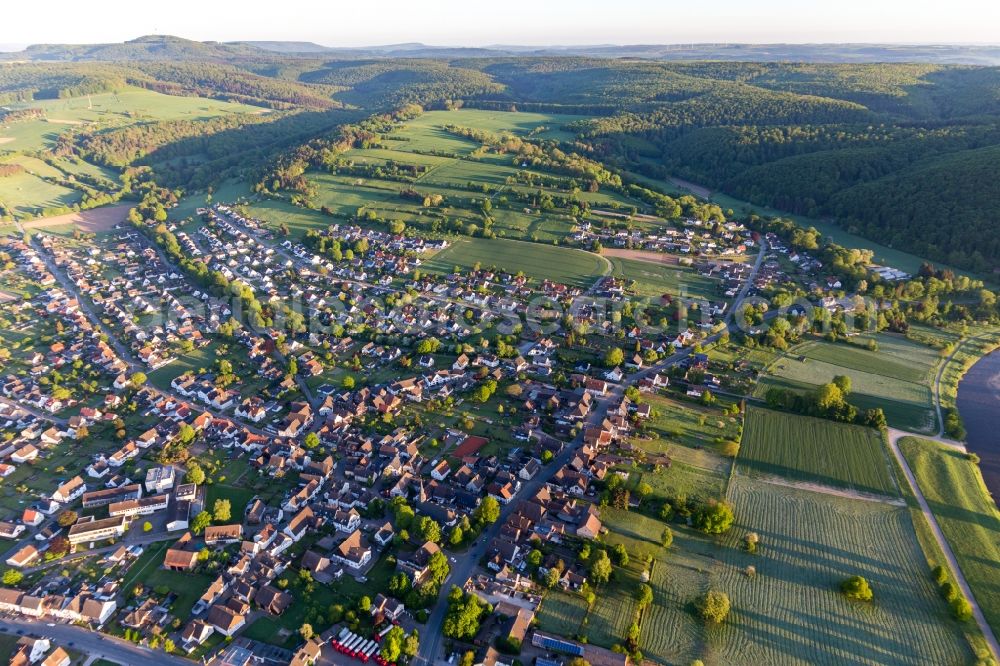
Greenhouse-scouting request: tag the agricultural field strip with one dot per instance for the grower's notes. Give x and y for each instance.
(790, 610)
(953, 492)
(813, 450)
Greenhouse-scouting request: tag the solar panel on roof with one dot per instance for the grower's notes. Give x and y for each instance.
(559, 645)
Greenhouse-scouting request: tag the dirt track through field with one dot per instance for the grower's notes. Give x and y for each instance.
(6, 139)
(90, 221)
(829, 490)
(638, 216)
(642, 255)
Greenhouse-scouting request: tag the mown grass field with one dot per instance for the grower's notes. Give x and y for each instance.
(562, 612)
(670, 634)
(536, 260)
(614, 609)
(954, 490)
(812, 450)
(791, 611)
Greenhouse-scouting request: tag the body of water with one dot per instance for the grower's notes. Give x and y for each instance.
(979, 405)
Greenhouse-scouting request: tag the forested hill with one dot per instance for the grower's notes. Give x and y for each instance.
(892, 151)
(165, 47)
(898, 153)
(152, 47)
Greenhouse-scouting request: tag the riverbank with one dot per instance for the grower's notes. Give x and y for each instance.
(979, 405)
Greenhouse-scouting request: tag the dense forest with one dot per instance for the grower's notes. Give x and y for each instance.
(896, 152)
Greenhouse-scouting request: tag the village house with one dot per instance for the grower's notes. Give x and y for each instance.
(353, 550)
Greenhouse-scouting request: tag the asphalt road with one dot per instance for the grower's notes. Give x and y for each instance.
(92, 643)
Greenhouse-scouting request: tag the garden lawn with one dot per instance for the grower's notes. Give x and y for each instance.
(149, 571)
(562, 613)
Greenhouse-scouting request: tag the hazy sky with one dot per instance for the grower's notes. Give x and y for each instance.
(477, 22)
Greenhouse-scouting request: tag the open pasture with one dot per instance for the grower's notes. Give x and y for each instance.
(229, 191)
(27, 194)
(915, 417)
(395, 151)
(818, 372)
(541, 125)
(675, 424)
(684, 479)
(490, 173)
(896, 378)
(33, 164)
(810, 450)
